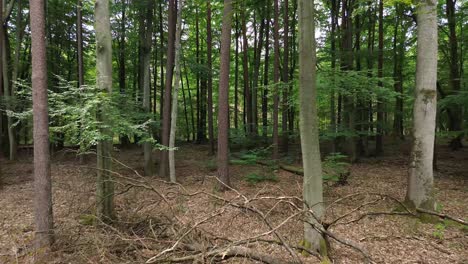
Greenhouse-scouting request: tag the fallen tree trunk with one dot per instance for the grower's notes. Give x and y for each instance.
(227, 253)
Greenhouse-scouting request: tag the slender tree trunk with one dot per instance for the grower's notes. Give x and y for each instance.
(194, 131)
(334, 24)
(245, 63)
(105, 184)
(398, 57)
(209, 51)
(122, 64)
(236, 77)
(146, 50)
(161, 59)
(348, 101)
(276, 77)
(456, 121)
(285, 103)
(256, 77)
(42, 179)
(187, 124)
(380, 103)
(8, 93)
(175, 95)
(166, 115)
(420, 182)
(308, 125)
(266, 76)
(223, 97)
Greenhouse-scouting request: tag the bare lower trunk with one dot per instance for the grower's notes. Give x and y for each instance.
(223, 98)
(308, 125)
(105, 184)
(420, 182)
(148, 29)
(42, 180)
(175, 94)
(166, 114)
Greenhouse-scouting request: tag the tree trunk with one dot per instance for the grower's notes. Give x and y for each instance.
(256, 77)
(105, 184)
(42, 179)
(175, 95)
(236, 77)
(456, 121)
(8, 93)
(245, 67)
(285, 86)
(146, 50)
(398, 57)
(166, 115)
(420, 182)
(276, 77)
(209, 51)
(266, 76)
(308, 125)
(122, 64)
(223, 97)
(380, 103)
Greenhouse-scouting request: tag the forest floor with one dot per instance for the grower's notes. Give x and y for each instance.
(153, 215)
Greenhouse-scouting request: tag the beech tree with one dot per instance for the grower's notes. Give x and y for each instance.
(223, 97)
(105, 184)
(166, 113)
(308, 125)
(42, 180)
(420, 191)
(175, 93)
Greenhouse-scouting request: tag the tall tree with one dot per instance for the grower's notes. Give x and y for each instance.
(285, 102)
(420, 183)
(308, 125)
(209, 51)
(380, 104)
(166, 115)
(223, 97)
(42, 179)
(7, 89)
(146, 56)
(245, 66)
(105, 184)
(455, 113)
(276, 80)
(266, 74)
(79, 40)
(175, 95)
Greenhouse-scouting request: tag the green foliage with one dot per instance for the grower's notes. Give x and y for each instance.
(254, 178)
(439, 231)
(334, 166)
(74, 113)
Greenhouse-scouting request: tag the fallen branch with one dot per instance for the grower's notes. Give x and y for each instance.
(227, 253)
(444, 216)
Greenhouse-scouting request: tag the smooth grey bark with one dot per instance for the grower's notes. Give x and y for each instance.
(175, 93)
(42, 180)
(105, 184)
(308, 125)
(420, 191)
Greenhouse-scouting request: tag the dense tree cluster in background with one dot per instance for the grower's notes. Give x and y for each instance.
(121, 73)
